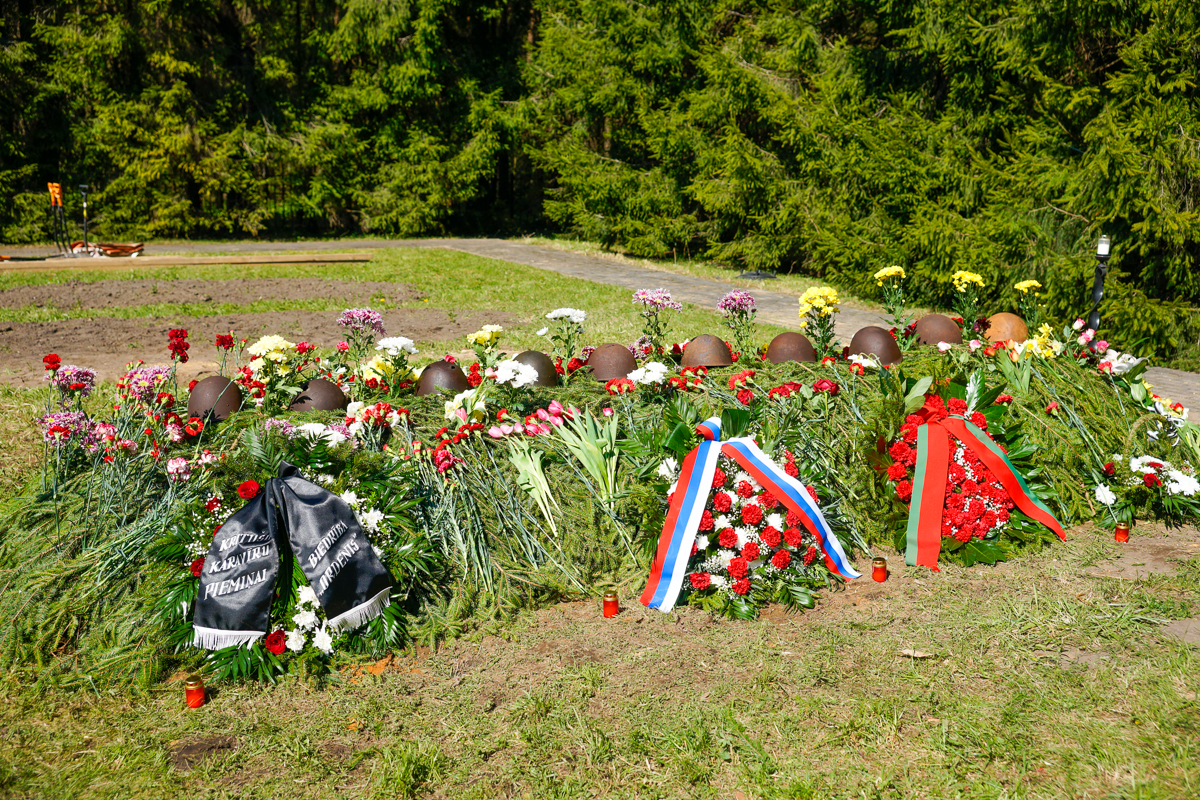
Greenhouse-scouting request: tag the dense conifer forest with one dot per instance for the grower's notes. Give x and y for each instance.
(826, 137)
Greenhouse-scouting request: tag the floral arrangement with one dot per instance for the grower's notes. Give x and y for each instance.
(655, 304)
(1027, 304)
(738, 308)
(966, 295)
(568, 328)
(817, 308)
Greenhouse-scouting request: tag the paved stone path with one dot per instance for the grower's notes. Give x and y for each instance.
(775, 307)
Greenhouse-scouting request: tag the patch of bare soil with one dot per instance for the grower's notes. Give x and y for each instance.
(107, 345)
(122, 294)
(186, 754)
(1185, 630)
(1151, 550)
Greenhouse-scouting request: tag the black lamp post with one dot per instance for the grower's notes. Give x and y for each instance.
(1098, 282)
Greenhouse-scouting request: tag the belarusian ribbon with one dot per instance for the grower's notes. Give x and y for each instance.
(924, 536)
(691, 494)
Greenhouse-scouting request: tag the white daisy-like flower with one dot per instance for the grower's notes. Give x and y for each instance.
(325, 479)
(323, 641)
(573, 314)
(307, 597)
(702, 541)
(722, 522)
(1142, 464)
(863, 360)
(305, 619)
(744, 535)
(1179, 483)
(776, 521)
(516, 374)
(668, 468)
(543, 331)
(395, 345)
(1105, 495)
(371, 519)
(295, 640)
(350, 498)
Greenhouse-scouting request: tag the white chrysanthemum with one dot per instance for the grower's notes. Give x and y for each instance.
(542, 331)
(270, 347)
(722, 522)
(395, 345)
(702, 541)
(1179, 483)
(744, 535)
(323, 641)
(864, 360)
(305, 619)
(295, 641)
(1105, 495)
(573, 314)
(353, 409)
(671, 488)
(742, 475)
(371, 519)
(350, 498)
(776, 521)
(1141, 464)
(307, 597)
(325, 479)
(668, 468)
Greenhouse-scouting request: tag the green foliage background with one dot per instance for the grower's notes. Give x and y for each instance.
(831, 138)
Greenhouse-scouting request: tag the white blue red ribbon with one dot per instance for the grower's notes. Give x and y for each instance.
(691, 494)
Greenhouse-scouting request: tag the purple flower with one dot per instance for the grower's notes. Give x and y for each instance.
(642, 348)
(60, 427)
(144, 382)
(655, 300)
(70, 378)
(362, 319)
(282, 425)
(586, 353)
(738, 301)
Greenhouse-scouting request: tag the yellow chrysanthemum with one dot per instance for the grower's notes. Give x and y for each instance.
(821, 299)
(1024, 287)
(889, 272)
(486, 336)
(962, 279)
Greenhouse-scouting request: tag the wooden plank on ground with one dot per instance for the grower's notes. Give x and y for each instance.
(141, 262)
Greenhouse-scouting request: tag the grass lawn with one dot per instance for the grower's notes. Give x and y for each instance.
(1032, 679)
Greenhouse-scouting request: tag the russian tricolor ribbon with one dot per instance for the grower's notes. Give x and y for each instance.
(691, 494)
(924, 535)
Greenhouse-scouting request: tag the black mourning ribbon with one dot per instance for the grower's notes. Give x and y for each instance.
(293, 515)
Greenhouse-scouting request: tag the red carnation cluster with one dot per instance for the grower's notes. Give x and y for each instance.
(975, 503)
(619, 386)
(52, 362)
(784, 391)
(224, 341)
(474, 375)
(178, 345)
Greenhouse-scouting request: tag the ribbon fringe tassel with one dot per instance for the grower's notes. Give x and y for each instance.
(215, 639)
(361, 614)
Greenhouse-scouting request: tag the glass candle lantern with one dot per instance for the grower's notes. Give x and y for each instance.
(879, 571)
(1121, 532)
(612, 606)
(194, 691)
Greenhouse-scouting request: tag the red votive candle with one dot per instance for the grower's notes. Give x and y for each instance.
(1121, 533)
(879, 569)
(194, 691)
(612, 606)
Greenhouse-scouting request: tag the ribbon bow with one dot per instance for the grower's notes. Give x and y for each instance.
(687, 506)
(924, 535)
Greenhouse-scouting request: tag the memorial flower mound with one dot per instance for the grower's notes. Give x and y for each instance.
(507, 494)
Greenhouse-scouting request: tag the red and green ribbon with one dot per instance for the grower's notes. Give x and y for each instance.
(929, 486)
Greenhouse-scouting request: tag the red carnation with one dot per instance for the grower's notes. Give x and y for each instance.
(750, 551)
(213, 504)
(897, 472)
(793, 519)
(1052, 409)
(51, 362)
(810, 555)
(751, 514)
(767, 500)
(225, 341)
(791, 469)
(738, 567)
(719, 478)
(741, 587)
(574, 364)
(276, 642)
(1004, 399)
(1110, 469)
(721, 502)
(727, 538)
(304, 347)
(899, 451)
(700, 580)
(957, 406)
(979, 420)
(745, 490)
(248, 490)
(706, 520)
(781, 559)
(745, 397)
(197, 567)
(792, 536)
(770, 536)
(1151, 480)
(812, 492)
(904, 489)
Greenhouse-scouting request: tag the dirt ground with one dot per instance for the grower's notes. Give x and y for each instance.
(126, 293)
(107, 344)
